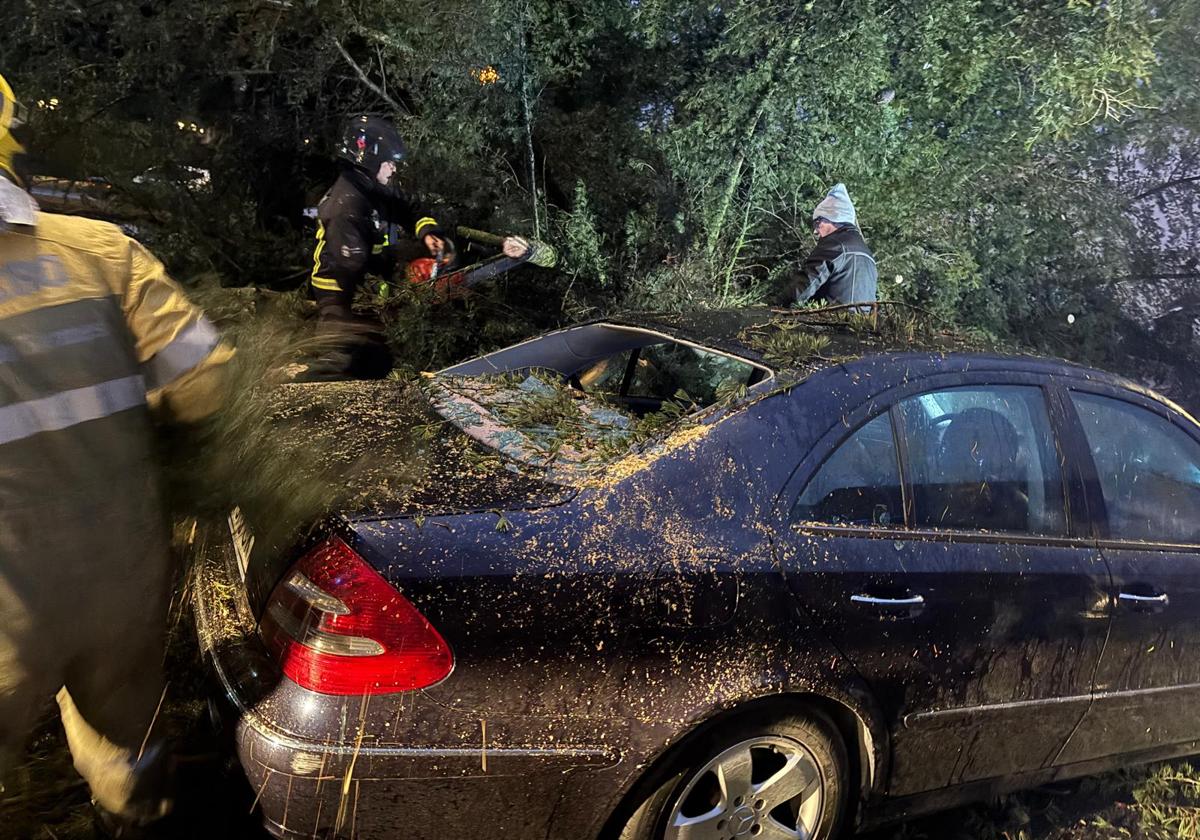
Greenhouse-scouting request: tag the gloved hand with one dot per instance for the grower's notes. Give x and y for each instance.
(515, 247)
(440, 246)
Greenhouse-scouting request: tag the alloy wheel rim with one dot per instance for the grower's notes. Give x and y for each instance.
(766, 788)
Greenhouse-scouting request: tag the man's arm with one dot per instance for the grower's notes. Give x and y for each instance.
(803, 285)
(182, 357)
(421, 225)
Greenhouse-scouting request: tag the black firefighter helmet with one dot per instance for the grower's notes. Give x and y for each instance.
(369, 142)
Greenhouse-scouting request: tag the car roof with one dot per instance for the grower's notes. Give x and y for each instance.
(720, 329)
(749, 332)
(912, 343)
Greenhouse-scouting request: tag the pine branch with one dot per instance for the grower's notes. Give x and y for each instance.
(1166, 186)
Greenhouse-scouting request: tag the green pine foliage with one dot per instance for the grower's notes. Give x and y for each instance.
(672, 149)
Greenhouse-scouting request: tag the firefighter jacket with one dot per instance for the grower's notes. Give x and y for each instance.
(94, 340)
(840, 270)
(94, 337)
(359, 224)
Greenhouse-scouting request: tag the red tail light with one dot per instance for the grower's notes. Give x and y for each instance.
(339, 628)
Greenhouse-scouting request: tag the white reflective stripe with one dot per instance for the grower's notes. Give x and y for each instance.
(186, 350)
(21, 346)
(17, 207)
(70, 408)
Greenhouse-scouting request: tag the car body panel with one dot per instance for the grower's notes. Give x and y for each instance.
(1147, 686)
(1007, 638)
(599, 629)
(438, 472)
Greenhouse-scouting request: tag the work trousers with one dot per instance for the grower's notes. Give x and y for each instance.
(353, 347)
(84, 595)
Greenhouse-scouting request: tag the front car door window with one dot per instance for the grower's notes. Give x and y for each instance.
(984, 459)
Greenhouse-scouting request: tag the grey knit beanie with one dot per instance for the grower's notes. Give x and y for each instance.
(837, 207)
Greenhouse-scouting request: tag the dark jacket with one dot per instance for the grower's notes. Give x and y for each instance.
(840, 269)
(359, 224)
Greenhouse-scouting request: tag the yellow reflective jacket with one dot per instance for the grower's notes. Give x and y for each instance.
(94, 337)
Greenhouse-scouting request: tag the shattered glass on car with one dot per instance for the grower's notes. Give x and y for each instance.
(484, 408)
(582, 398)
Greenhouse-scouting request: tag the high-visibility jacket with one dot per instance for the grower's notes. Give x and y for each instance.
(94, 339)
(91, 328)
(360, 225)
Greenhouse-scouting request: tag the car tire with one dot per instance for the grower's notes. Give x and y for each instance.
(733, 784)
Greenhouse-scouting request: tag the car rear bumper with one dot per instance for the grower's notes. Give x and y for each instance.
(389, 765)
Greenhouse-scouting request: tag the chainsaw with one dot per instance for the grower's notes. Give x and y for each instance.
(450, 283)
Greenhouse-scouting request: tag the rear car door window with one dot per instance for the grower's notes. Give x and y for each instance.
(1149, 470)
(859, 484)
(664, 370)
(984, 458)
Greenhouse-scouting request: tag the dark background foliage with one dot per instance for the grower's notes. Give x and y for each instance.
(1016, 163)
(1013, 162)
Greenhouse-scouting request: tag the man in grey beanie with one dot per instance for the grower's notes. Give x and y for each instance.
(841, 268)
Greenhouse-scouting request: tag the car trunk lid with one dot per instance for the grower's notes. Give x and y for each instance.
(377, 450)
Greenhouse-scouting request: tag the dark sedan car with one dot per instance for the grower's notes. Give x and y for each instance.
(650, 584)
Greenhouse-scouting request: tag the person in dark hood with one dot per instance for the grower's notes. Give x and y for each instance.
(366, 223)
(841, 268)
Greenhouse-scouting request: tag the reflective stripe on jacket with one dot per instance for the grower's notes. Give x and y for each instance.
(93, 336)
(359, 222)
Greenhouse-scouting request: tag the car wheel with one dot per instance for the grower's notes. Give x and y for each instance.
(784, 779)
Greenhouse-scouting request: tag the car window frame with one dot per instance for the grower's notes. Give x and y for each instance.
(1094, 491)
(905, 489)
(1079, 529)
(1057, 444)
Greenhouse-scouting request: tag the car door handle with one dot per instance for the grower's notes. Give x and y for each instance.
(871, 600)
(1156, 602)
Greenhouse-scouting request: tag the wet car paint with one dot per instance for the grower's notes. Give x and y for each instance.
(1007, 622)
(594, 634)
(1147, 686)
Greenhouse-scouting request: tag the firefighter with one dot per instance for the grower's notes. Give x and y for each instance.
(363, 223)
(840, 269)
(96, 344)
(367, 225)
